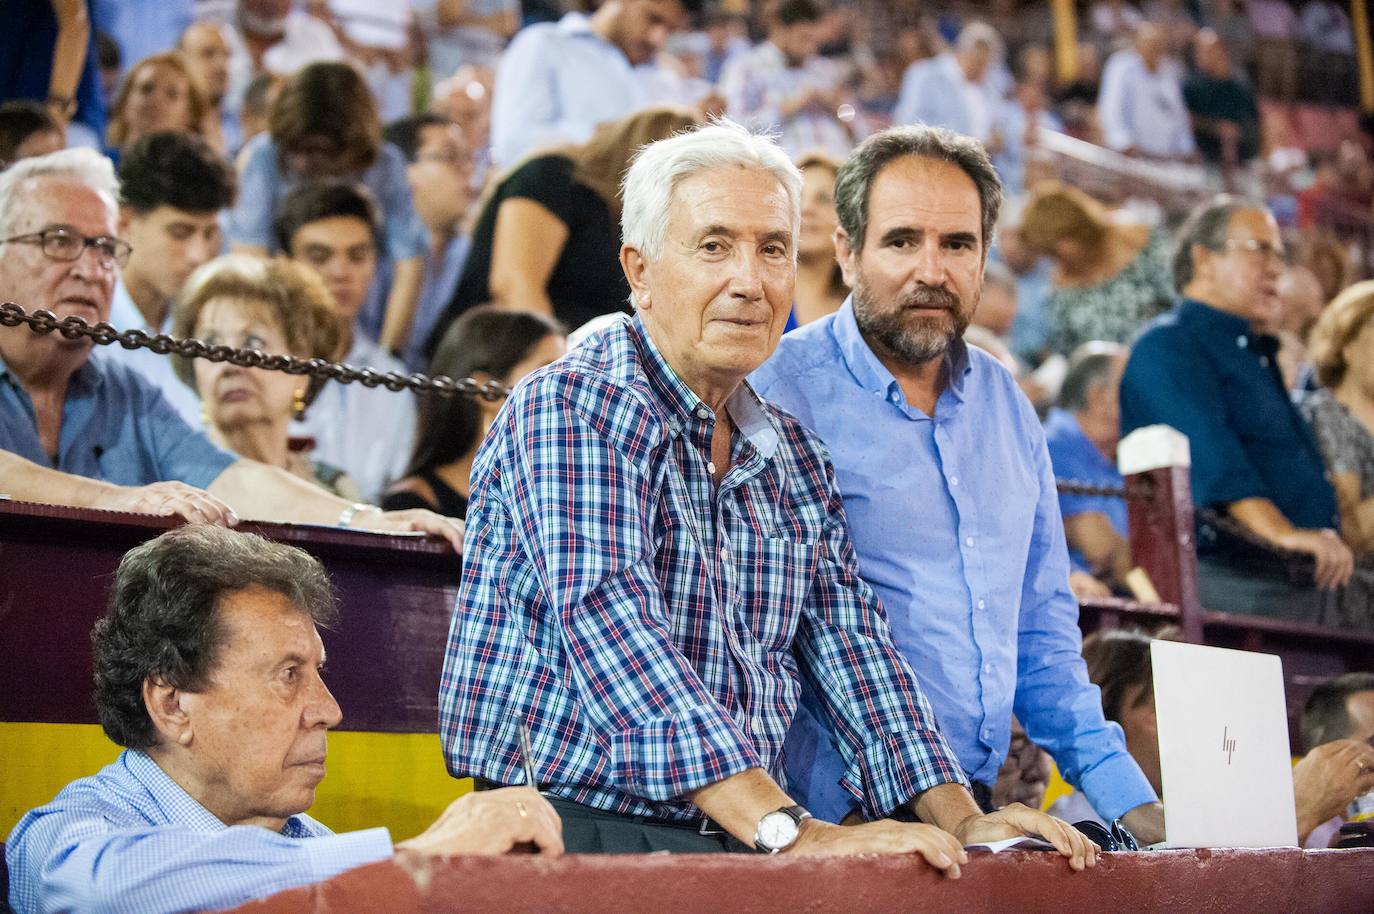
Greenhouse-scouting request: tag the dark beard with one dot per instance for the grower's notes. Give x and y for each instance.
(914, 340)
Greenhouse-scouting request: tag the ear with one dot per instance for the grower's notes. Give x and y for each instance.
(164, 705)
(845, 256)
(126, 216)
(636, 267)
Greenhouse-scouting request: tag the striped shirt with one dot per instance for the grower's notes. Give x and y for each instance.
(130, 839)
(653, 629)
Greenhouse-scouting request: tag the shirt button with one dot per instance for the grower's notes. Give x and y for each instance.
(710, 466)
(954, 480)
(724, 554)
(894, 396)
(982, 604)
(1242, 342)
(987, 733)
(703, 413)
(987, 669)
(968, 541)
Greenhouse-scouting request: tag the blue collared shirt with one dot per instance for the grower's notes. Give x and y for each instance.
(1076, 458)
(956, 523)
(129, 839)
(652, 628)
(1203, 372)
(116, 426)
(157, 368)
(556, 82)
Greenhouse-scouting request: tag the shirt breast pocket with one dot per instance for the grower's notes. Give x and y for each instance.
(774, 579)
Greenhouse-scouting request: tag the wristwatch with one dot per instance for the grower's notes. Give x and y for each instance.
(778, 830)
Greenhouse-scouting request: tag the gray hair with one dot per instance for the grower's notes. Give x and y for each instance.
(163, 621)
(85, 165)
(1089, 365)
(659, 167)
(857, 174)
(1206, 226)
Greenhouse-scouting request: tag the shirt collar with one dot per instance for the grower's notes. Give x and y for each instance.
(1222, 326)
(745, 407)
(179, 805)
(125, 315)
(873, 375)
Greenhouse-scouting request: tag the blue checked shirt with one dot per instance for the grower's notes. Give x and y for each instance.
(130, 840)
(653, 630)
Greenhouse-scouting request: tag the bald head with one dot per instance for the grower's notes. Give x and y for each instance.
(1210, 54)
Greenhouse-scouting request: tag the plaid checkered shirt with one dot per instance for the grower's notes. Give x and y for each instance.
(650, 628)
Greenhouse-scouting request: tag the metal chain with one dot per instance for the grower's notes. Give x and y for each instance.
(44, 322)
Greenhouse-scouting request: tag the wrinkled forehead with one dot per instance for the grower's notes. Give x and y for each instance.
(737, 197)
(46, 200)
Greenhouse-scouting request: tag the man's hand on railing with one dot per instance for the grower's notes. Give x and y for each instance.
(1334, 560)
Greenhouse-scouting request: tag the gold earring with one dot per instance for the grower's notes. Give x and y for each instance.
(298, 403)
(204, 414)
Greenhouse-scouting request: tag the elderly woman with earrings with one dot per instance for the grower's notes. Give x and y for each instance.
(277, 307)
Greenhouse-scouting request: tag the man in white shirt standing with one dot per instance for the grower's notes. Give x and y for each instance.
(558, 81)
(172, 189)
(1141, 105)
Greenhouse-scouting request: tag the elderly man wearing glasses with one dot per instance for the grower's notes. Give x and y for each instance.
(78, 429)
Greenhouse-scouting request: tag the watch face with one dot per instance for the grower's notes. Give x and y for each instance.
(777, 830)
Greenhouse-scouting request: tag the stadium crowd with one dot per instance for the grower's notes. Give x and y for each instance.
(1170, 222)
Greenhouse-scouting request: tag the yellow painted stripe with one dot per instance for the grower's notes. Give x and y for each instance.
(392, 779)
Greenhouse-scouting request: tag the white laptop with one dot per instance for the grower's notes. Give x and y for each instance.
(1223, 747)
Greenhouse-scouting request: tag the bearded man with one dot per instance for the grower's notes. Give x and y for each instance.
(946, 481)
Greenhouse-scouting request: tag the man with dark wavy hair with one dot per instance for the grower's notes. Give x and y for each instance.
(214, 688)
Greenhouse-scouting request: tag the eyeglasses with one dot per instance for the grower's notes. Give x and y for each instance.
(66, 244)
(1113, 837)
(1256, 246)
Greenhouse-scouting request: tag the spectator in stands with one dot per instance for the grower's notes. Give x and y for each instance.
(997, 301)
(548, 235)
(587, 605)
(820, 285)
(1326, 29)
(27, 129)
(1203, 370)
(1338, 732)
(486, 343)
(1300, 304)
(468, 33)
(208, 672)
(1226, 121)
(269, 36)
(1341, 413)
(465, 98)
(948, 90)
(1082, 434)
(1033, 328)
(1141, 107)
(440, 175)
(173, 187)
(783, 84)
(207, 53)
(1110, 275)
(277, 307)
(1228, 19)
(48, 49)
(1076, 103)
(1175, 21)
(1114, 22)
(1119, 665)
(1025, 775)
(367, 431)
(558, 81)
(78, 429)
(324, 124)
(947, 484)
(1020, 120)
(258, 98)
(159, 94)
(1275, 27)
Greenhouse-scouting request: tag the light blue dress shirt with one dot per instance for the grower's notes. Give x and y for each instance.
(555, 84)
(116, 426)
(130, 839)
(956, 523)
(157, 368)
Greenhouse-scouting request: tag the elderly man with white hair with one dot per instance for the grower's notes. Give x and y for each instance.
(657, 558)
(76, 427)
